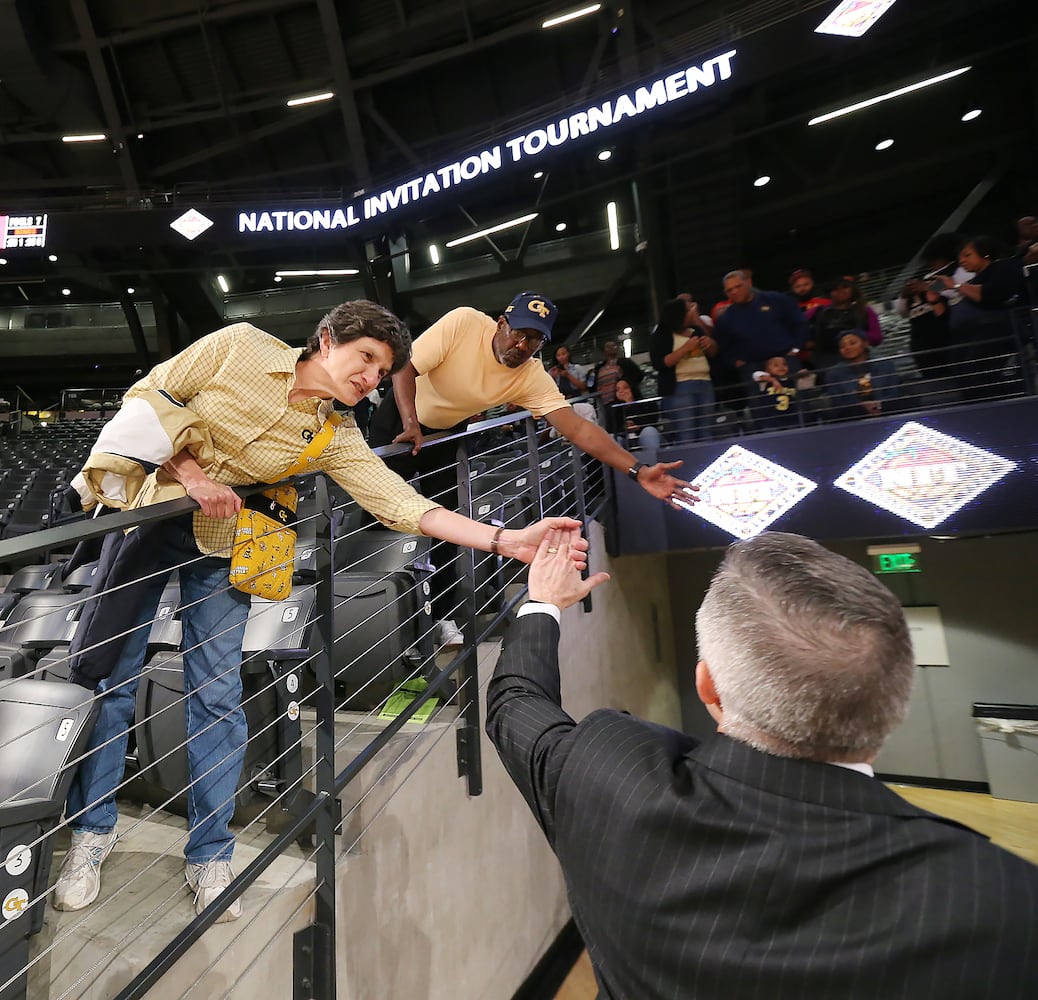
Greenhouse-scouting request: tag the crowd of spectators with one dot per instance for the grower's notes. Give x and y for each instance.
(783, 358)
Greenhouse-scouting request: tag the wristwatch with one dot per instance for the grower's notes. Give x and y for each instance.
(635, 469)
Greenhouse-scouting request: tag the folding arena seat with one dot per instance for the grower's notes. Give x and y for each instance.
(383, 614)
(45, 728)
(37, 623)
(277, 636)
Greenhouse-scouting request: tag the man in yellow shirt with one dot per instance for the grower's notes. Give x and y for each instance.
(466, 362)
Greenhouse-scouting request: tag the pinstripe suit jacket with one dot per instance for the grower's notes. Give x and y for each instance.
(712, 870)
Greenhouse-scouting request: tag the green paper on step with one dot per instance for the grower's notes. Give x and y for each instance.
(403, 696)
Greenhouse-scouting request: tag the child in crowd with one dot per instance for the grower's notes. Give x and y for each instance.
(858, 386)
(776, 405)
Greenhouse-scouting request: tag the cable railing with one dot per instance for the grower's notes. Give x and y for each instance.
(976, 371)
(321, 715)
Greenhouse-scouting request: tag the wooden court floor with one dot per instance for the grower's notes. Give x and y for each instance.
(1012, 825)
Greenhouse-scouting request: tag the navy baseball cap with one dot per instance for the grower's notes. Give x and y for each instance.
(532, 311)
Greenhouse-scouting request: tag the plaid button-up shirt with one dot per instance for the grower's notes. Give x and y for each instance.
(238, 380)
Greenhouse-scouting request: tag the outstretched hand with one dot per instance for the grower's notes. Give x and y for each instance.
(657, 480)
(525, 543)
(554, 574)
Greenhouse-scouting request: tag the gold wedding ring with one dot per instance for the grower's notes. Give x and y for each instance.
(553, 549)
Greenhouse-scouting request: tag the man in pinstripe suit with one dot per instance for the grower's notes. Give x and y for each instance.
(765, 861)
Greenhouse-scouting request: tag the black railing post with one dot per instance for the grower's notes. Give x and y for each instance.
(470, 762)
(533, 464)
(315, 947)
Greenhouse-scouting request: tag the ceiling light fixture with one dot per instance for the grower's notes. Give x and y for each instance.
(434, 253)
(3, 260)
(900, 92)
(277, 277)
(614, 226)
(66, 291)
(537, 176)
(572, 15)
(604, 154)
(324, 272)
(222, 282)
(491, 229)
(762, 180)
(971, 115)
(85, 137)
(295, 102)
(130, 291)
(853, 18)
(628, 330)
(560, 227)
(52, 257)
(884, 144)
(627, 347)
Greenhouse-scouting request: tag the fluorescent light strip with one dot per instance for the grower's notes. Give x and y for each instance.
(434, 253)
(311, 99)
(572, 15)
(492, 229)
(614, 228)
(889, 97)
(222, 282)
(85, 137)
(326, 272)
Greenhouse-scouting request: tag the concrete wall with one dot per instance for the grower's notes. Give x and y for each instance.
(984, 588)
(451, 897)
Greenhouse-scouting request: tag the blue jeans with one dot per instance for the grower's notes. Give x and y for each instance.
(690, 411)
(214, 618)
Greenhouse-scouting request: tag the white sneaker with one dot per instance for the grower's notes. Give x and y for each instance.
(207, 881)
(449, 636)
(79, 880)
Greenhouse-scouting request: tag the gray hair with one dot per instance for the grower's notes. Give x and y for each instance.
(735, 274)
(810, 655)
(361, 318)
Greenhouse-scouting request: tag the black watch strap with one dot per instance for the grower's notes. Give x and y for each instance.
(635, 469)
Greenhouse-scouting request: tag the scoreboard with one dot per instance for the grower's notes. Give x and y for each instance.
(22, 231)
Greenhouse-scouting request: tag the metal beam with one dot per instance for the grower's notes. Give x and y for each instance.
(344, 90)
(113, 121)
(236, 141)
(172, 25)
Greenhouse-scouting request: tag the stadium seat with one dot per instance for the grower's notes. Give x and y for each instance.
(46, 728)
(383, 618)
(277, 635)
(37, 623)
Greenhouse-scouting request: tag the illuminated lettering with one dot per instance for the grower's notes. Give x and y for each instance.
(578, 125)
(574, 125)
(490, 159)
(600, 116)
(646, 98)
(676, 85)
(535, 141)
(470, 167)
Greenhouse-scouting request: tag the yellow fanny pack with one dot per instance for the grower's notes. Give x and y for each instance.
(264, 548)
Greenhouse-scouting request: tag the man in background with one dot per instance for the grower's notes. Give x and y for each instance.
(765, 861)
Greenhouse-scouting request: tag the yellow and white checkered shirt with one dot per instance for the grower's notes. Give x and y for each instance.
(238, 380)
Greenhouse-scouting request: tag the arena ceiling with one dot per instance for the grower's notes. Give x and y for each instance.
(191, 99)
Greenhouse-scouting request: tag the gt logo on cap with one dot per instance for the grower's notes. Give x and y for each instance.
(537, 306)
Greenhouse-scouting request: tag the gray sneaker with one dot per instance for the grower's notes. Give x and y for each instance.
(79, 880)
(207, 881)
(449, 636)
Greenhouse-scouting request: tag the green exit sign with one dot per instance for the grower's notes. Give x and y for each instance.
(896, 562)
